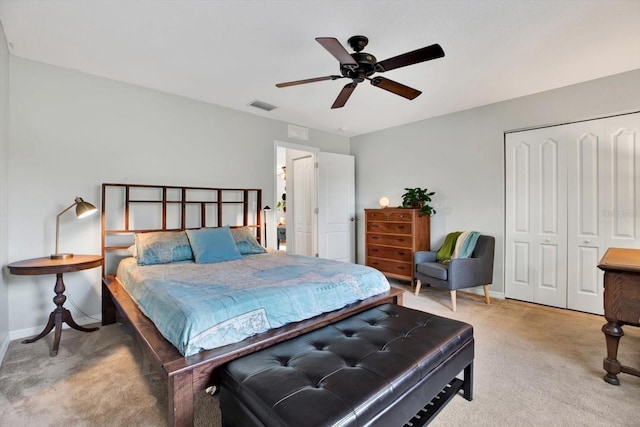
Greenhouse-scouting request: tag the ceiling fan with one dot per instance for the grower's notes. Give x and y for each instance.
(360, 66)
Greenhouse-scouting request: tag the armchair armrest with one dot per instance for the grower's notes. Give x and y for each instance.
(469, 272)
(424, 256)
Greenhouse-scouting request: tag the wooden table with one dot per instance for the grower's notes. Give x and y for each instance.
(621, 304)
(59, 315)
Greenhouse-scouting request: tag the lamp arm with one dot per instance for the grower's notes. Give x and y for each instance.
(58, 226)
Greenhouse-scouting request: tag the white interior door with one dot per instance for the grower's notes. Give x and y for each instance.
(536, 218)
(304, 190)
(336, 207)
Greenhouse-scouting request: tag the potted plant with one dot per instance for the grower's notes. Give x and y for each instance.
(282, 204)
(418, 198)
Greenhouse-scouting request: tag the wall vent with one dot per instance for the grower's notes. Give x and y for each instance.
(298, 132)
(263, 105)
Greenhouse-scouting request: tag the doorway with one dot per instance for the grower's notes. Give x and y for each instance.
(296, 199)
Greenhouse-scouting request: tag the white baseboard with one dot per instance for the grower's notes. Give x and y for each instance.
(29, 332)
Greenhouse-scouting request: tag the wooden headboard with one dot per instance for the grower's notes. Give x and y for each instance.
(128, 209)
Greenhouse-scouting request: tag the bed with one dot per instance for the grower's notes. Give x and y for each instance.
(133, 213)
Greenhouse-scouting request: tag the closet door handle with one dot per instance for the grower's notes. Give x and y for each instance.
(587, 241)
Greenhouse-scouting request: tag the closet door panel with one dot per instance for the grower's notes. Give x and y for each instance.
(586, 239)
(535, 270)
(551, 288)
(520, 190)
(623, 212)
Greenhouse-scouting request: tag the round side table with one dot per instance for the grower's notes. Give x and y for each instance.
(59, 315)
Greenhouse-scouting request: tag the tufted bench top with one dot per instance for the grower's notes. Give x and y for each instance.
(344, 373)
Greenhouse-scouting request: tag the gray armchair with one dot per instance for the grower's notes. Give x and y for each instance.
(459, 273)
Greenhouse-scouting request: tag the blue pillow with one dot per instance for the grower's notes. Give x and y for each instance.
(162, 247)
(213, 245)
(246, 242)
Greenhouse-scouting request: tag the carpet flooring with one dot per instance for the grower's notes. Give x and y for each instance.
(534, 366)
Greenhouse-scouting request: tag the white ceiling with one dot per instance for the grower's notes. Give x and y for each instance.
(231, 53)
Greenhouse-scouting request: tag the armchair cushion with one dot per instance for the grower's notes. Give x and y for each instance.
(424, 256)
(433, 269)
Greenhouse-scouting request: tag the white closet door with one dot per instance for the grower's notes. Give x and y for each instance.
(536, 217)
(572, 191)
(622, 183)
(586, 240)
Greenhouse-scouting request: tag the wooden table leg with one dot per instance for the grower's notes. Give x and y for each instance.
(612, 332)
(57, 317)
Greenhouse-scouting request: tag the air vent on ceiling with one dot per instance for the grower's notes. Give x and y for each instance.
(263, 105)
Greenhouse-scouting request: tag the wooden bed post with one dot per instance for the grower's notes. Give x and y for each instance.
(180, 399)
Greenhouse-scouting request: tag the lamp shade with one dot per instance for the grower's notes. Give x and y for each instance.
(83, 209)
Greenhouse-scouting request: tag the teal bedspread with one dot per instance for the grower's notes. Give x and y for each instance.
(204, 306)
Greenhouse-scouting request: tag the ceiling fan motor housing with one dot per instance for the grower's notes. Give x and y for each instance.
(366, 67)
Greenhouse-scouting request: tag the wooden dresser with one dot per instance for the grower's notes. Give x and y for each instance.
(392, 237)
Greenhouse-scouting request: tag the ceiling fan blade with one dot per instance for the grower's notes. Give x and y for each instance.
(344, 95)
(315, 79)
(336, 49)
(395, 87)
(414, 57)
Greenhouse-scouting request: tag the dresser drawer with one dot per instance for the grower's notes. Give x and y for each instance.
(390, 215)
(396, 254)
(379, 215)
(385, 239)
(400, 215)
(391, 267)
(389, 227)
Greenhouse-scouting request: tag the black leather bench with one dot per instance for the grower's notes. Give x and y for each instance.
(384, 367)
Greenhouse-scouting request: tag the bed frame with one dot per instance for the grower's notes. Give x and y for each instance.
(128, 209)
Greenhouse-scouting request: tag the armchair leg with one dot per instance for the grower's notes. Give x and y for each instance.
(418, 286)
(453, 300)
(487, 298)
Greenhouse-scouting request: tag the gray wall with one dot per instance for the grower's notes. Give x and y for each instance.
(460, 156)
(70, 132)
(4, 162)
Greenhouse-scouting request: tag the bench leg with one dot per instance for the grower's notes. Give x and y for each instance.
(467, 388)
